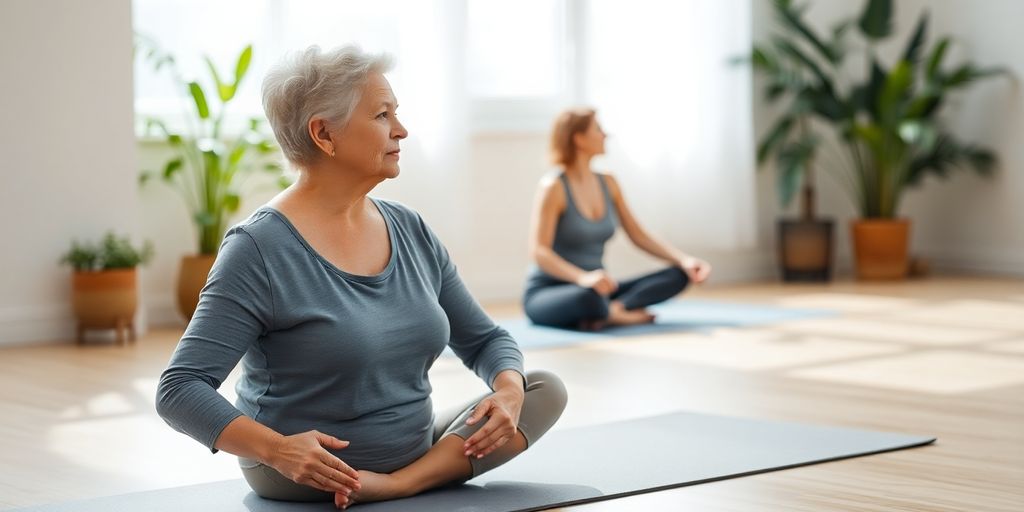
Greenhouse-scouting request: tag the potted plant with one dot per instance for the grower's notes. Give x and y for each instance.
(805, 248)
(103, 285)
(210, 164)
(887, 124)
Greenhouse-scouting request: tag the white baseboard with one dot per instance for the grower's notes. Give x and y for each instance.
(978, 261)
(55, 323)
(36, 324)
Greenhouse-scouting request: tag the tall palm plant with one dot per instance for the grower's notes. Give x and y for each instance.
(887, 124)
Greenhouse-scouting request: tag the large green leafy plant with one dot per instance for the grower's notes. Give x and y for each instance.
(887, 124)
(209, 165)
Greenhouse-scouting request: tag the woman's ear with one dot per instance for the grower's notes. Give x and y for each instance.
(321, 135)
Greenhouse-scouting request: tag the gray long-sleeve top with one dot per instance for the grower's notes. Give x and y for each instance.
(324, 349)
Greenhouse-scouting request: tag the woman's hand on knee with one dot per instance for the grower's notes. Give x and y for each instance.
(696, 269)
(304, 459)
(502, 409)
(599, 281)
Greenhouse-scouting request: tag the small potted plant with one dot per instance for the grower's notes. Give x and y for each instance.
(103, 285)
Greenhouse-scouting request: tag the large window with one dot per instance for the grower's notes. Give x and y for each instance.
(514, 59)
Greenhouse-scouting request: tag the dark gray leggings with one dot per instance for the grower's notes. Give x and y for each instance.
(557, 303)
(543, 405)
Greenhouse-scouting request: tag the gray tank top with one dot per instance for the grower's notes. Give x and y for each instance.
(579, 240)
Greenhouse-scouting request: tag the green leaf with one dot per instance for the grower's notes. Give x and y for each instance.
(791, 162)
(236, 155)
(243, 64)
(789, 181)
(914, 46)
(932, 68)
(231, 202)
(283, 182)
(265, 147)
(876, 20)
(199, 98)
(792, 19)
(794, 52)
(947, 154)
(205, 219)
(211, 159)
(895, 91)
(824, 103)
(869, 133)
(763, 61)
(224, 91)
(980, 159)
(174, 140)
(156, 123)
(871, 93)
(144, 177)
(924, 104)
(968, 73)
(776, 135)
(172, 167)
(273, 167)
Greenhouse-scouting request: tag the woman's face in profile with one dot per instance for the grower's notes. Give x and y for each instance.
(369, 142)
(592, 140)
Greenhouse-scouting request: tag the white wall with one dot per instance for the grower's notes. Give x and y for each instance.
(68, 153)
(966, 223)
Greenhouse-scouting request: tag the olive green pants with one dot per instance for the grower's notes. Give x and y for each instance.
(543, 404)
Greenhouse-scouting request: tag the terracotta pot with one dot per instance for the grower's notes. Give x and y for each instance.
(106, 299)
(805, 250)
(880, 247)
(191, 279)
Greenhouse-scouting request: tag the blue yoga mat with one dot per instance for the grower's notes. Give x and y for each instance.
(673, 316)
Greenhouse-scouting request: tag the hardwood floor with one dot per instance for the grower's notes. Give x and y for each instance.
(941, 357)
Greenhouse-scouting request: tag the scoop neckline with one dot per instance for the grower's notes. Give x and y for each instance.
(604, 199)
(382, 275)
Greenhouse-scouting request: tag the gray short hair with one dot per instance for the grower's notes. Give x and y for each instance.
(315, 83)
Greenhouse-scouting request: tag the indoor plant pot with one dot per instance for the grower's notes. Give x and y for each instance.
(880, 247)
(805, 250)
(105, 299)
(192, 276)
(104, 292)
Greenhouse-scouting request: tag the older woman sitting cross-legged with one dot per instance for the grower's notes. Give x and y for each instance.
(337, 305)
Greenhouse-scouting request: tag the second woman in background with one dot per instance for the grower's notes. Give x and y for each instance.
(576, 211)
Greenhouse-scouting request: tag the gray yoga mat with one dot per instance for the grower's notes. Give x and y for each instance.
(574, 466)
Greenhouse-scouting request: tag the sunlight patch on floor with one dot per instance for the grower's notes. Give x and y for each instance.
(939, 372)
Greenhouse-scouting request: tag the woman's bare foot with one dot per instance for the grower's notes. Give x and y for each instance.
(372, 487)
(619, 315)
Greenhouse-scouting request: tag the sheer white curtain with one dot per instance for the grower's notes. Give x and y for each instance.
(678, 114)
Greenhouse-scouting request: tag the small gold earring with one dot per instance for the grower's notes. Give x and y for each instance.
(332, 152)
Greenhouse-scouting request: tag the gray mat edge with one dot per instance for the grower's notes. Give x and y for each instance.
(607, 497)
